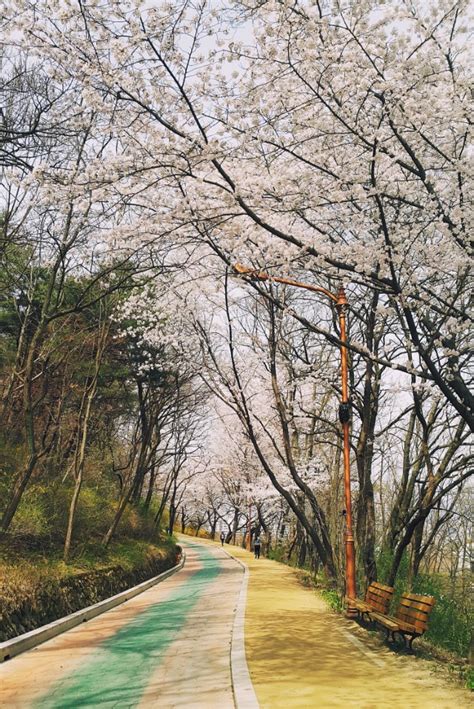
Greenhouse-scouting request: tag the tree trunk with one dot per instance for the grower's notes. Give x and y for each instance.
(172, 518)
(365, 519)
(80, 456)
(72, 512)
(18, 490)
(235, 525)
(118, 516)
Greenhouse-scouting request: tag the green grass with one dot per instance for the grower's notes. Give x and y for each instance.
(48, 561)
(470, 678)
(332, 598)
(36, 583)
(451, 619)
(278, 553)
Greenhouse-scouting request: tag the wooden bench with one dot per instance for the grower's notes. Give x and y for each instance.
(411, 619)
(377, 598)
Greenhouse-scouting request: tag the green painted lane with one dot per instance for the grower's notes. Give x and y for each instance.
(118, 672)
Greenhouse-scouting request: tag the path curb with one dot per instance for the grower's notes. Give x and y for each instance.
(29, 640)
(244, 693)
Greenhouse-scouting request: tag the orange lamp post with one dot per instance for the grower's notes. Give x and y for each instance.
(340, 302)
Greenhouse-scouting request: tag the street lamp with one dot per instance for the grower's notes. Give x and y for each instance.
(340, 301)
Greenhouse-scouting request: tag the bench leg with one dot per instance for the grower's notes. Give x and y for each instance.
(371, 622)
(409, 641)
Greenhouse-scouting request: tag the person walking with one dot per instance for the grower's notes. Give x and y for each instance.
(222, 539)
(256, 547)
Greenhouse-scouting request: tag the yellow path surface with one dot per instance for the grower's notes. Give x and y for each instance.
(301, 654)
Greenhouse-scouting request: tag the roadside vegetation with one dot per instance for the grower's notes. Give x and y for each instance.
(38, 586)
(87, 435)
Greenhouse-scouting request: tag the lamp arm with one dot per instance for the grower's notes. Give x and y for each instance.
(263, 276)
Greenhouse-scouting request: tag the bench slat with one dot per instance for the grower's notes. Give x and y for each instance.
(412, 613)
(378, 594)
(414, 610)
(428, 600)
(390, 623)
(380, 607)
(408, 620)
(356, 603)
(404, 601)
(378, 597)
(380, 588)
(409, 627)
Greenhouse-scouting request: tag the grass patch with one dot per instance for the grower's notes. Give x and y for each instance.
(452, 618)
(36, 586)
(321, 585)
(332, 598)
(469, 678)
(38, 560)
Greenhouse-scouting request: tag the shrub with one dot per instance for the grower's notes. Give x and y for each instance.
(451, 619)
(278, 553)
(332, 598)
(31, 518)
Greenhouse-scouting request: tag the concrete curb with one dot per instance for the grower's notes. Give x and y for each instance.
(244, 693)
(24, 642)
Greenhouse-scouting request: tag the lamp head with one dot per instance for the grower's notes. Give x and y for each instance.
(250, 272)
(243, 270)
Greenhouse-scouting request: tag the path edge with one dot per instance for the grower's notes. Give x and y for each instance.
(242, 686)
(33, 638)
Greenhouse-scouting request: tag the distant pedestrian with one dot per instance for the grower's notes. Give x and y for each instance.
(222, 539)
(256, 547)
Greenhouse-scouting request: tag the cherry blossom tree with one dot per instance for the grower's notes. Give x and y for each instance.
(330, 136)
(328, 140)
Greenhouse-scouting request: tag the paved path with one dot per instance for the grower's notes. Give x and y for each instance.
(303, 656)
(168, 647)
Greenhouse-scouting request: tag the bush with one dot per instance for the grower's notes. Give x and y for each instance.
(278, 553)
(139, 523)
(31, 518)
(451, 619)
(43, 514)
(35, 590)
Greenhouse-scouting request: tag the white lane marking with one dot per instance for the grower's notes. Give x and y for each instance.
(376, 660)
